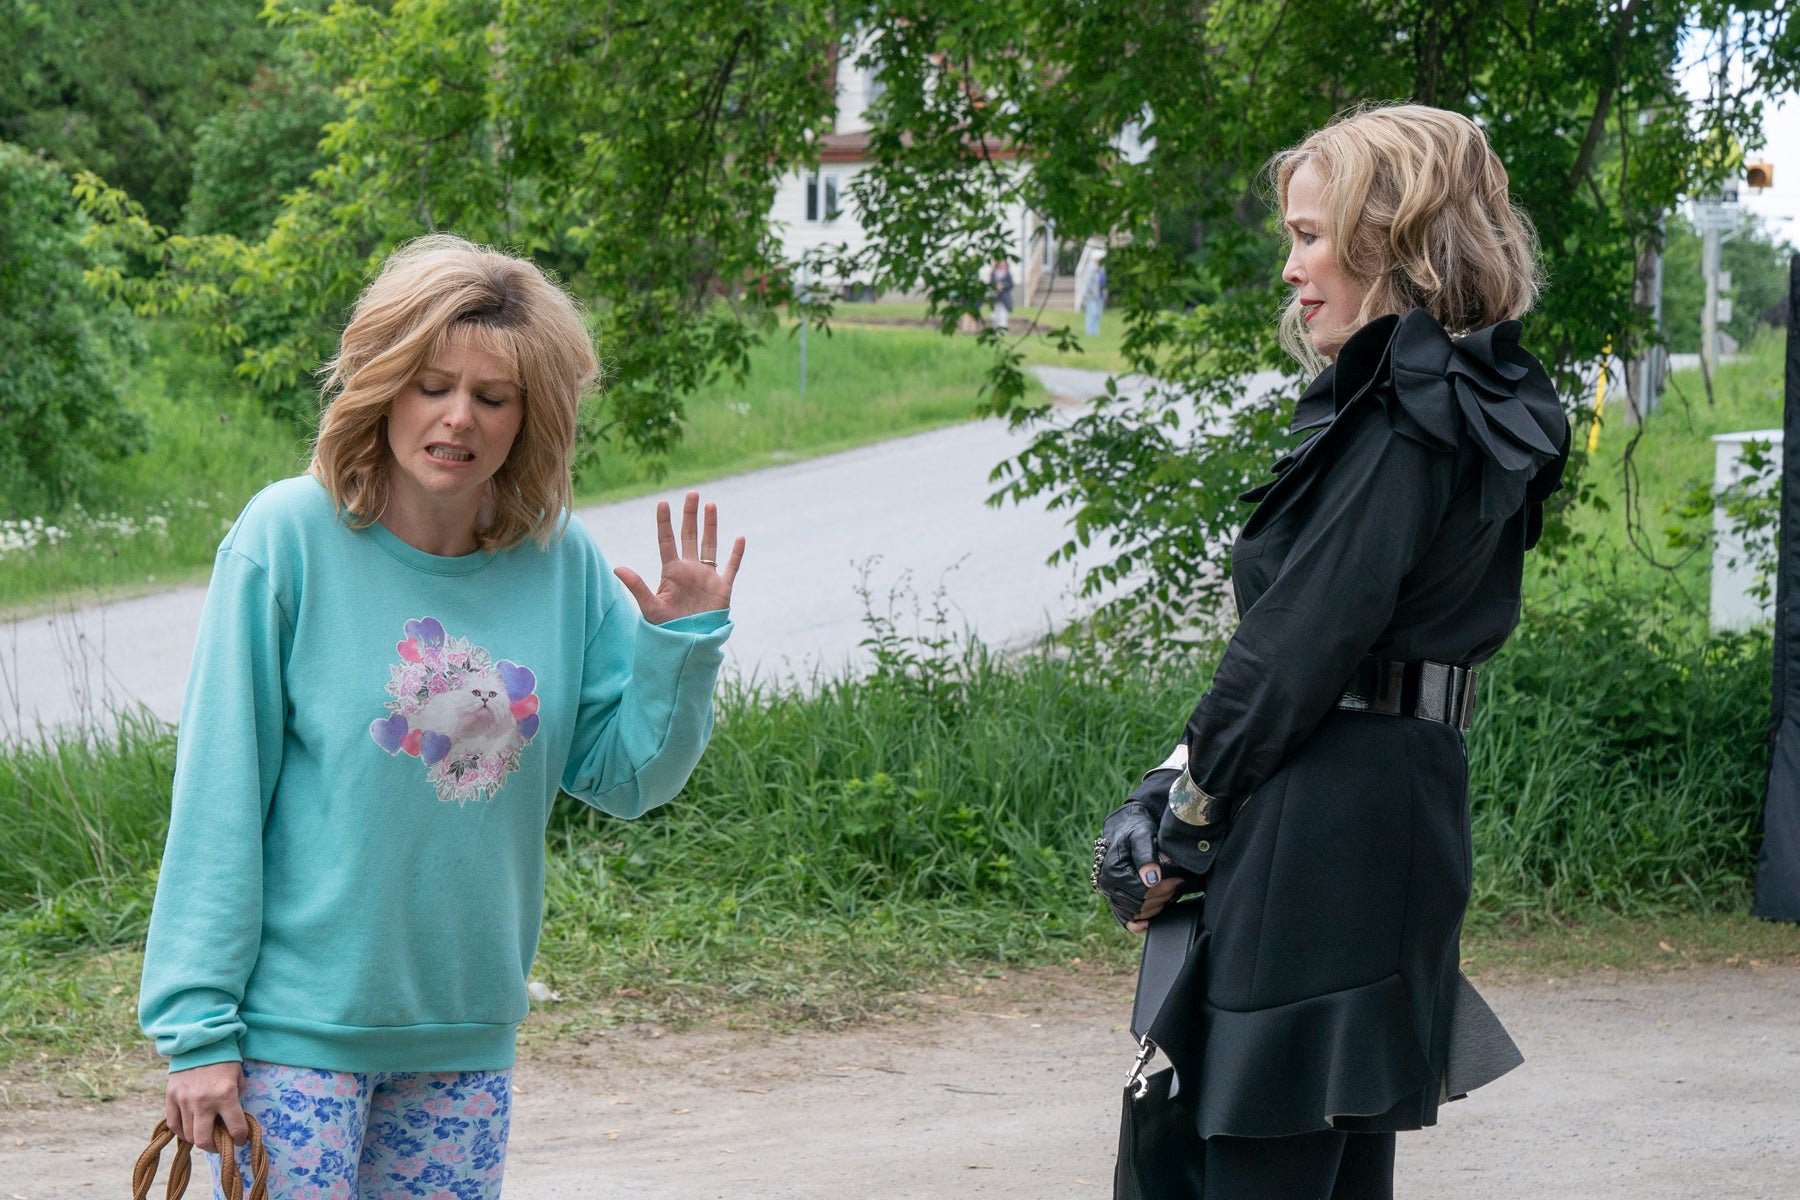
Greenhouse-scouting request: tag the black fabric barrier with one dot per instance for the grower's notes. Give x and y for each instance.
(1778, 863)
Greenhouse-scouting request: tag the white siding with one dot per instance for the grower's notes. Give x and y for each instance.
(800, 236)
(854, 85)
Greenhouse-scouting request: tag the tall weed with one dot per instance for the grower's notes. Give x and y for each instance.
(82, 820)
(1619, 762)
(939, 811)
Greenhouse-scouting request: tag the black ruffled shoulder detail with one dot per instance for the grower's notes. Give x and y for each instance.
(1484, 388)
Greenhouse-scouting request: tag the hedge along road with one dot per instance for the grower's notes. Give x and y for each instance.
(907, 516)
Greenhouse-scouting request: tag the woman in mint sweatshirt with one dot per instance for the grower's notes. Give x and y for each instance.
(405, 654)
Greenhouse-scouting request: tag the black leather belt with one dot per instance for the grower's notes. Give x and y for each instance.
(1433, 691)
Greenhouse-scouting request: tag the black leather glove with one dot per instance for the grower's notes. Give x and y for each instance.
(1127, 842)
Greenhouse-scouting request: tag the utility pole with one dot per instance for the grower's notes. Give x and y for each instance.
(1714, 215)
(1650, 363)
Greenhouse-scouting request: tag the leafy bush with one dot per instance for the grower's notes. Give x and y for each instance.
(254, 152)
(118, 87)
(63, 348)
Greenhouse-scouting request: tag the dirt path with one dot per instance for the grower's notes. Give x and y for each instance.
(1644, 1087)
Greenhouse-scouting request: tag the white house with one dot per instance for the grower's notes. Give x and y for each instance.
(814, 209)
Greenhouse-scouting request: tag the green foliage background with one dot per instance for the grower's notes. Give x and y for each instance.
(121, 88)
(258, 149)
(1757, 262)
(634, 148)
(63, 348)
(1579, 98)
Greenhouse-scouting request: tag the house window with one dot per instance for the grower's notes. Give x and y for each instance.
(822, 197)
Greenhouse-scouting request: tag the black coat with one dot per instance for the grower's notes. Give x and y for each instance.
(1337, 884)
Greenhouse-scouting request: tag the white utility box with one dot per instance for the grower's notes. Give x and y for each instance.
(1734, 606)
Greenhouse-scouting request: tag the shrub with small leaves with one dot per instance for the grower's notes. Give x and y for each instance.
(63, 348)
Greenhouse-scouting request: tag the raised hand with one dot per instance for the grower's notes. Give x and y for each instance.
(692, 580)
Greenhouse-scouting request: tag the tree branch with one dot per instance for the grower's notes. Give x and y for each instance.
(1597, 125)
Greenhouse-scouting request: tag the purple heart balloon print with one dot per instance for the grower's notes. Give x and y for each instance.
(387, 732)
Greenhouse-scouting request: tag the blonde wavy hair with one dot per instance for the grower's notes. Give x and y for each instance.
(1416, 211)
(429, 292)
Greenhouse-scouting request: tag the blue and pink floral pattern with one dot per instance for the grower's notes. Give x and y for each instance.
(338, 1135)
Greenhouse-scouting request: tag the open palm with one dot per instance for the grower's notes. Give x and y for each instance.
(692, 580)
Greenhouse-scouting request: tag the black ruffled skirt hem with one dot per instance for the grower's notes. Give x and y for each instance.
(1350, 1060)
(1303, 1066)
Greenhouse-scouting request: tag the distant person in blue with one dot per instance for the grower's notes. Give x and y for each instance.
(404, 655)
(1002, 283)
(1093, 298)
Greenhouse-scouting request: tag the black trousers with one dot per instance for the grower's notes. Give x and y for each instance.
(1307, 1166)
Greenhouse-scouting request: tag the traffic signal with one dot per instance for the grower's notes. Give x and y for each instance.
(1759, 175)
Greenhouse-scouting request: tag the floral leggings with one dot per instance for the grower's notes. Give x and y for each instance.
(391, 1135)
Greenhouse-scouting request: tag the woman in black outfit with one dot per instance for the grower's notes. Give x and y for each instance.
(1320, 791)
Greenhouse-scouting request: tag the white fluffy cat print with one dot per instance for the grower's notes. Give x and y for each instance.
(464, 716)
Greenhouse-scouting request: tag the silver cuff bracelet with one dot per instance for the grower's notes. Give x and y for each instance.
(1191, 805)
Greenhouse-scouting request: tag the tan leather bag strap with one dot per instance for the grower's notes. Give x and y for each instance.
(143, 1174)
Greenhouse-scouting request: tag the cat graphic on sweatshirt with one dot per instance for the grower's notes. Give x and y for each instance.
(466, 717)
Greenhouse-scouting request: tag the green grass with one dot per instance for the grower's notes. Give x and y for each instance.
(1622, 542)
(1036, 346)
(162, 511)
(863, 384)
(842, 843)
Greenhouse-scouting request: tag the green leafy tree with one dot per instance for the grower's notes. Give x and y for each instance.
(120, 88)
(256, 150)
(1578, 98)
(63, 348)
(633, 147)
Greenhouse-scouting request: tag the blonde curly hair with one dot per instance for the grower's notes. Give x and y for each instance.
(1416, 211)
(429, 292)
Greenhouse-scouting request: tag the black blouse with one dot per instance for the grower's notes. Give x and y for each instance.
(1398, 528)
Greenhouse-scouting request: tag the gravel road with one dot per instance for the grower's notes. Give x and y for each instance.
(1636, 1087)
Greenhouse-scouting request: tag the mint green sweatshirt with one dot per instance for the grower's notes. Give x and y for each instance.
(370, 744)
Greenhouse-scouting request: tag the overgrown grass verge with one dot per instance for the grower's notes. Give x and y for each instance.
(1640, 477)
(154, 519)
(863, 385)
(846, 844)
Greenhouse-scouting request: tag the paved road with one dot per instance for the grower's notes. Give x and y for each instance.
(907, 517)
(1657, 1087)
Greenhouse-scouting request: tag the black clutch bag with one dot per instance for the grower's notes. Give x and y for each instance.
(1161, 1154)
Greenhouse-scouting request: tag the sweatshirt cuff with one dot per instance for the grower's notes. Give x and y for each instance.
(698, 624)
(223, 1050)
